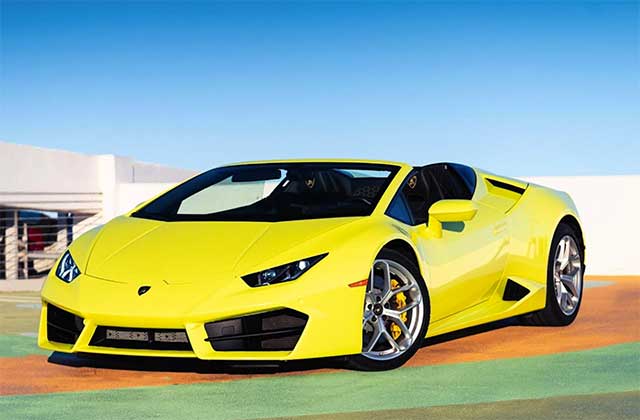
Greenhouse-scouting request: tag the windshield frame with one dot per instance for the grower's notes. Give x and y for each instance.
(188, 188)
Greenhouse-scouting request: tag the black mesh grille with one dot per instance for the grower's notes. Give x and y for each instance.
(270, 331)
(63, 326)
(141, 338)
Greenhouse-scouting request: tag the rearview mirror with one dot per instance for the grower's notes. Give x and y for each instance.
(450, 211)
(256, 175)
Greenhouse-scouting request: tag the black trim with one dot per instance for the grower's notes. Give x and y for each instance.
(505, 186)
(268, 331)
(285, 272)
(399, 193)
(62, 326)
(468, 175)
(100, 339)
(267, 334)
(514, 291)
(399, 209)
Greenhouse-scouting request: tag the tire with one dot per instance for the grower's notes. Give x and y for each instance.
(410, 291)
(555, 313)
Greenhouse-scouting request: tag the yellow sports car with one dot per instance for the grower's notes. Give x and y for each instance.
(316, 258)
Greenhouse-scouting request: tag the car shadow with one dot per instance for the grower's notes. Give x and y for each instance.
(188, 365)
(471, 331)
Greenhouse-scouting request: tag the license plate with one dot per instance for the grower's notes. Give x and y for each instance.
(127, 335)
(171, 337)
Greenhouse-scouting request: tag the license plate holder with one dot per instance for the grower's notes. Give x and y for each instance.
(170, 337)
(127, 335)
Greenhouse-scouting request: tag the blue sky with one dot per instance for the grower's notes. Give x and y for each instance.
(519, 88)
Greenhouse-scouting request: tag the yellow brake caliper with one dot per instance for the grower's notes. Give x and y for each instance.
(400, 301)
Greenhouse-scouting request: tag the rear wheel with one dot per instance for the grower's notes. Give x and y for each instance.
(396, 313)
(564, 280)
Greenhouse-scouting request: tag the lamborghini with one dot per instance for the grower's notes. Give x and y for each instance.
(289, 260)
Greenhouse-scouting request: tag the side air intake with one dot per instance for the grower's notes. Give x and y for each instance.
(506, 186)
(514, 291)
(503, 193)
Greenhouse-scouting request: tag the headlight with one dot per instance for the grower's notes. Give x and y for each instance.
(67, 269)
(283, 273)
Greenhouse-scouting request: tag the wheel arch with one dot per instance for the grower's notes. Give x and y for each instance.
(403, 247)
(543, 211)
(572, 221)
(407, 249)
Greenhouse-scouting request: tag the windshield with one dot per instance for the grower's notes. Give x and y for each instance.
(274, 192)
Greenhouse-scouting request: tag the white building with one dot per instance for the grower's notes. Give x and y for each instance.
(48, 197)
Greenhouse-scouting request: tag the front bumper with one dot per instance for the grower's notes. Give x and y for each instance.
(332, 327)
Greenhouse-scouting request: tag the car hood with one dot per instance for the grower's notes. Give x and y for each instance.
(133, 250)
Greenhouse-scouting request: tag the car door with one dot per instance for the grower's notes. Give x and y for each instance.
(466, 264)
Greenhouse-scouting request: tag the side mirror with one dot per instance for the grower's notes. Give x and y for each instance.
(450, 211)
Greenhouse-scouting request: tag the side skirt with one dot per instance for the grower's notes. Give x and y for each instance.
(508, 301)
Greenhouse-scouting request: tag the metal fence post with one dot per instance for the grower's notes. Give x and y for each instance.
(11, 247)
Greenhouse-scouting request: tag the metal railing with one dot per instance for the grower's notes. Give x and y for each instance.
(32, 239)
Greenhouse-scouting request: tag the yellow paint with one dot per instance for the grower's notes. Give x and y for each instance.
(450, 211)
(195, 268)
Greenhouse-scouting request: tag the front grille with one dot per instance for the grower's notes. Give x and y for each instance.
(62, 326)
(141, 338)
(269, 331)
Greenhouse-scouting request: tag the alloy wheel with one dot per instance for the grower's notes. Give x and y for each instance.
(393, 311)
(567, 275)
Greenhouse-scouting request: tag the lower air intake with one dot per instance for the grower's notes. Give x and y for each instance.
(270, 331)
(62, 326)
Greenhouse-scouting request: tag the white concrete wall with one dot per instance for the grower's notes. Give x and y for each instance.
(123, 180)
(34, 169)
(130, 195)
(609, 209)
(49, 179)
(144, 172)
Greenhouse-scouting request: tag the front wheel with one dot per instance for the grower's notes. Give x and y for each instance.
(565, 273)
(395, 316)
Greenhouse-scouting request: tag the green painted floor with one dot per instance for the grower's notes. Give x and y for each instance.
(19, 316)
(19, 312)
(19, 345)
(613, 370)
(618, 406)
